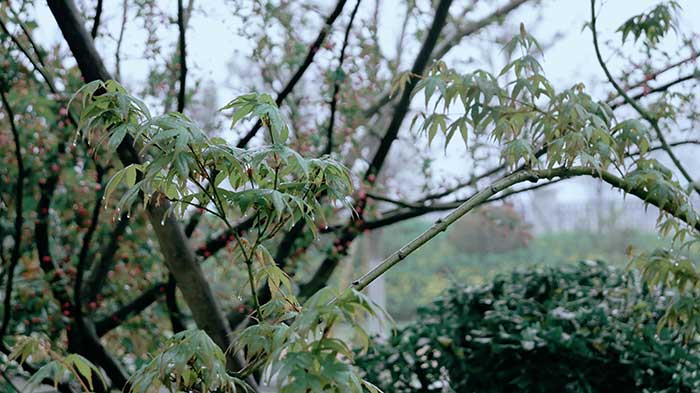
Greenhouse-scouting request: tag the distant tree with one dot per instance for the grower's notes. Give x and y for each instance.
(493, 228)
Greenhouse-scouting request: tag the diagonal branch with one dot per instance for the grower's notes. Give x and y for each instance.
(504, 183)
(401, 108)
(134, 307)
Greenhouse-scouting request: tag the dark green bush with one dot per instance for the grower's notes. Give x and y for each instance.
(584, 328)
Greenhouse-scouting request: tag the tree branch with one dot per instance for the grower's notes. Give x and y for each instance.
(19, 219)
(313, 49)
(99, 272)
(183, 57)
(96, 22)
(658, 89)
(134, 307)
(418, 68)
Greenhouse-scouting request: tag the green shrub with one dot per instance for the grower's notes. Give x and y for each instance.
(584, 328)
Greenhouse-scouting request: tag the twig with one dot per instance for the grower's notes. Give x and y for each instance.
(117, 52)
(336, 80)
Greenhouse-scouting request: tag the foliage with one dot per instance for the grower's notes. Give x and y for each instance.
(189, 360)
(653, 24)
(587, 328)
(56, 366)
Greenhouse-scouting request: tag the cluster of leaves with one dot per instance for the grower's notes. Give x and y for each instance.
(189, 360)
(56, 366)
(276, 186)
(653, 25)
(526, 116)
(574, 329)
(191, 169)
(297, 347)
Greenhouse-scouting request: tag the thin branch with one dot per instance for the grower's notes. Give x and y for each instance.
(658, 89)
(38, 67)
(656, 73)
(85, 248)
(120, 39)
(397, 202)
(337, 81)
(19, 218)
(313, 49)
(99, 272)
(183, 57)
(26, 32)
